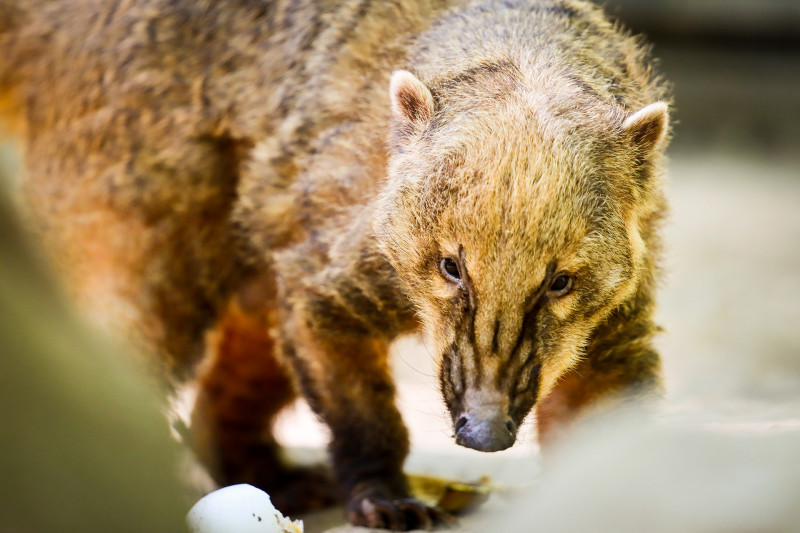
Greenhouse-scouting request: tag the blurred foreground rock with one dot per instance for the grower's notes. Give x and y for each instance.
(84, 445)
(672, 476)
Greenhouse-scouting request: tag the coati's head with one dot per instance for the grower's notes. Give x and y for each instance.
(518, 223)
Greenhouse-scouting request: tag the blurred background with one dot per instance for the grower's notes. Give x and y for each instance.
(731, 294)
(730, 301)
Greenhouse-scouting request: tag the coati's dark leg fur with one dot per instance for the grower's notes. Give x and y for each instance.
(620, 367)
(338, 327)
(351, 389)
(241, 388)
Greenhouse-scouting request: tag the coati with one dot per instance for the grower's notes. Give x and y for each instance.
(281, 188)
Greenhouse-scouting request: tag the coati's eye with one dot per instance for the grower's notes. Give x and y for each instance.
(450, 270)
(560, 286)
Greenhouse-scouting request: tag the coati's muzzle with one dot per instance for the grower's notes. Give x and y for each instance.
(485, 434)
(484, 424)
(488, 405)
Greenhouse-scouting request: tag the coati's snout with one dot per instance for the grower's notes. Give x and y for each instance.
(485, 414)
(491, 435)
(487, 429)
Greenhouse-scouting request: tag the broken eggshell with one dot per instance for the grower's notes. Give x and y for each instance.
(239, 509)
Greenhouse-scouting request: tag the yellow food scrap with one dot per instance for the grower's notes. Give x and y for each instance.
(454, 497)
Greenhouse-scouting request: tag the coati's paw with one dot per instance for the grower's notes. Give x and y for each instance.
(374, 509)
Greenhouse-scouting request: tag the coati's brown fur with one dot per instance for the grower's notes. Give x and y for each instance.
(312, 179)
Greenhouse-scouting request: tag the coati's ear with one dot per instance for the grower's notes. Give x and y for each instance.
(648, 127)
(412, 101)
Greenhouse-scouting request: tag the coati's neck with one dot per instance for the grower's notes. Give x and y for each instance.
(562, 49)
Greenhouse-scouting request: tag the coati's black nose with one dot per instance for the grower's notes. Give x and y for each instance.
(490, 435)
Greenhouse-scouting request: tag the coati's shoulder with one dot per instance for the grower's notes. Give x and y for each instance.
(335, 115)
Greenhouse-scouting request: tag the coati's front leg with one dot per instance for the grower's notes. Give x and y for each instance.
(338, 327)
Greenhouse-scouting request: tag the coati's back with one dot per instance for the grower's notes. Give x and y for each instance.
(146, 122)
(265, 82)
(555, 38)
(137, 118)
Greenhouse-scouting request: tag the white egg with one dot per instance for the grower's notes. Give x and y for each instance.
(239, 509)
